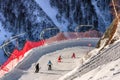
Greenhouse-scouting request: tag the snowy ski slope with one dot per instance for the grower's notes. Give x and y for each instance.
(109, 71)
(25, 69)
(58, 68)
(106, 56)
(102, 66)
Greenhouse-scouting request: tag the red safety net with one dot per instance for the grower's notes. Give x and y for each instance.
(18, 55)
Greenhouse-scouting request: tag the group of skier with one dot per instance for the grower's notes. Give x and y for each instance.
(49, 64)
(60, 58)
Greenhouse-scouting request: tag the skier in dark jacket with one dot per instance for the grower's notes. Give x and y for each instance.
(49, 65)
(37, 68)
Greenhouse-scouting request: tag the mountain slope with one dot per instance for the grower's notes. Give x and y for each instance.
(25, 16)
(34, 16)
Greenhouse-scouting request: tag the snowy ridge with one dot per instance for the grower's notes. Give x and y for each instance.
(104, 57)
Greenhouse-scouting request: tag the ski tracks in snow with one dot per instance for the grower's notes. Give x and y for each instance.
(59, 69)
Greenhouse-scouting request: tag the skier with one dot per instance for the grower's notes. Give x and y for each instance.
(73, 55)
(59, 59)
(49, 65)
(37, 68)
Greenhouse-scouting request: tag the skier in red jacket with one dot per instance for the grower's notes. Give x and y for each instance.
(59, 59)
(73, 55)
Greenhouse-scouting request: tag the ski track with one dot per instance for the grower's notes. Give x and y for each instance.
(58, 69)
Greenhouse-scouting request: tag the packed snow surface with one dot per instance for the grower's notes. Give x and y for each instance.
(58, 68)
(25, 69)
(110, 71)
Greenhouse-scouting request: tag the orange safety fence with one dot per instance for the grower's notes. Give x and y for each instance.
(17, 56)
